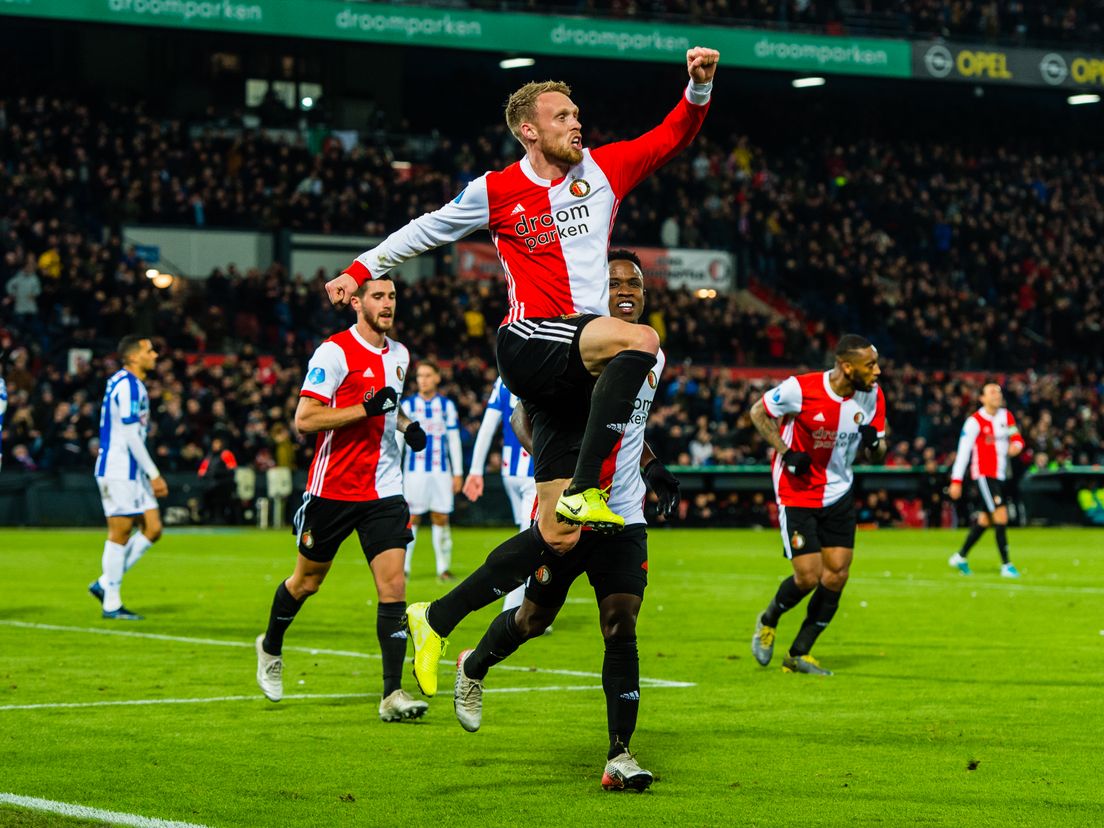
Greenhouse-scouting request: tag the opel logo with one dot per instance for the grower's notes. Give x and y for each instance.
(939, 61)
(1053, 69)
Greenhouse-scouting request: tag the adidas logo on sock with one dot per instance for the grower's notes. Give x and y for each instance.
(632, 695)
(498, 592)
(517, 209)
(399, 634)
(618, 427)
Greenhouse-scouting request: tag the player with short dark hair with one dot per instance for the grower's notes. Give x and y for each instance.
(126, 475)
(818, 424)
(616, 565)
(989, 439)
(550, 216)
(350, 399)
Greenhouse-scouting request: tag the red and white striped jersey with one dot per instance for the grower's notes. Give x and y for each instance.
(984, 445)
(552, 237)
(360, 461)
(621, 469)
(825, 426)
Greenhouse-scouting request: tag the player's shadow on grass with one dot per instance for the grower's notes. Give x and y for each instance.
(13, 612)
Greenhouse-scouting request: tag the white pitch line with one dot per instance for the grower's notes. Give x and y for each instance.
(218, 642)
(256, 697)
(83, 812)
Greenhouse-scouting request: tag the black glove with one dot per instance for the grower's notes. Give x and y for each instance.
(415, 437)
(382, 402)
(868, 437)
(664, 486)
(797, 462)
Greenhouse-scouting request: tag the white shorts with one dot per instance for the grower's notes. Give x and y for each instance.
(522, 492)
(126, 498)
(428, 492)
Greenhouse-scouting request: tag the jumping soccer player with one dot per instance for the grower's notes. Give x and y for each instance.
(989, 438)
(126, 475)
(616, 565)
(550, 216)
(432, 476)
(350, 398)
(517, 467)
(817, 423)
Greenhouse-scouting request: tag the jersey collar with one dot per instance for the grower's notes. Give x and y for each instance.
(364, 342)
(828, 389)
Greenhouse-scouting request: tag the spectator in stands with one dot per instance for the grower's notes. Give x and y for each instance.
(219, 491)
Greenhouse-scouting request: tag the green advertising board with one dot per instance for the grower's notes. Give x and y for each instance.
(489, 31)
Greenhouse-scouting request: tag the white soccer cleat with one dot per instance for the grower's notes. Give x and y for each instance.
(270, 672)
(401, 705)
(467, 697)
(623, 773)
(956, 561)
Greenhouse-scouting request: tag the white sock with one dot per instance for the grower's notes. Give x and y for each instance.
(513, 599)
(114, 556)
(136, 547)
(410, 550)
(442, 547)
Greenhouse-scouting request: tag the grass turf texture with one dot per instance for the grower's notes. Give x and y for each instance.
(955, 701)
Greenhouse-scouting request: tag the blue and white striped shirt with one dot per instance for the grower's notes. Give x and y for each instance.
(441, 424)
(124, 425)
(516, 461)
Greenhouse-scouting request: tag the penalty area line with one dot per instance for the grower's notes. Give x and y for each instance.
(218, 642)
(83, 812)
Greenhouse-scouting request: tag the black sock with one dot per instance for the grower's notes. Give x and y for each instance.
(621, 683)
(976, 531)
(505, 568)
(280, 617)
(1002, 541)
(391, 632)
(611, 406)
(789, 595)
(499, 642)
(822, 606)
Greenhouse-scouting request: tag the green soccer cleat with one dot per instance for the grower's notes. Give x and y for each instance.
(428, 648)
(803, 664)
(762, 643)
(589, 508)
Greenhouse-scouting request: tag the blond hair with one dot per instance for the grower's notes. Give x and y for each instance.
(522, 105)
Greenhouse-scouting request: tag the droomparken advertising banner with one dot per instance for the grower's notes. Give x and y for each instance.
(490, 31)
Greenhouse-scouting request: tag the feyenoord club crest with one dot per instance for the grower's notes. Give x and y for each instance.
(543, 575)
(399, 372)
(308, 539)
(797, 540)
(653, 381)
(859, 418)
(579, 187)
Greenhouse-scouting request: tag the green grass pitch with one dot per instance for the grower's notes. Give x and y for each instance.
(956, 701)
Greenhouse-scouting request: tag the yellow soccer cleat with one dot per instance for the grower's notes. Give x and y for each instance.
(588, 508)
(803, 664)
(428, 648)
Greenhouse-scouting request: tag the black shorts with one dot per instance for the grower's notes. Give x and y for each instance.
(539, 361)
(805, 531)
(613, 564)
(322, 525)
(988, 494)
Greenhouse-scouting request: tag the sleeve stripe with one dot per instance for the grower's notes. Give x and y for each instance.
(315, 396)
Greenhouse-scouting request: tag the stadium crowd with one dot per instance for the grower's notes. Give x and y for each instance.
(1012, 20)
(964, 258)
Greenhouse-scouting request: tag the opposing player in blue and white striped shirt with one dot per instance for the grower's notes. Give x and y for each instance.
(432, 476)
(517, 467)
(126, 475)
(3, 409)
